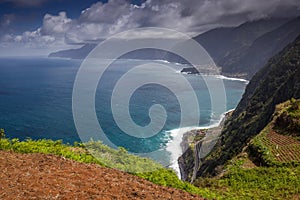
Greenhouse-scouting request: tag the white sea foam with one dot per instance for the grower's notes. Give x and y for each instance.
(164, 61)
(222, 77)
(173, 146)
(232, 79)
(184, 73)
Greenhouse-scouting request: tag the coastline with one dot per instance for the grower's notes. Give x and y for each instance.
(232, 78)
(177, 146)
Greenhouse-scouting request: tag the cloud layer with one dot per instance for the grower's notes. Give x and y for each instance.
(190, 16)
(25, 3)
(51, 33)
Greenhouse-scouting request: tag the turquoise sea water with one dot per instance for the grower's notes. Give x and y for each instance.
(36, 101)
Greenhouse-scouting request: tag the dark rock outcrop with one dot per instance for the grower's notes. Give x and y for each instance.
(189, 70)
(186, 164)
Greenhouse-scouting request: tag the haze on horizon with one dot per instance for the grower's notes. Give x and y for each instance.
(38, 27)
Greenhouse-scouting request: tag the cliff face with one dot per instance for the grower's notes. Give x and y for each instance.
(196, 144)
(277, 82)
(186, 164)
(222, 42)
(243, 50)
(250, 59)
(191, 159)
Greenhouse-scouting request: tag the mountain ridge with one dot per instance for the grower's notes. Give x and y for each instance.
(262, 49)
(276, 82)
(221, 40)
(234, 49)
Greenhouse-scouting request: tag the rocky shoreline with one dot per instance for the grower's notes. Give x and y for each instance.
(202, 69)
(196, 144)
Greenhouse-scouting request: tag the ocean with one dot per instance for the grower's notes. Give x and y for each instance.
(36, 103)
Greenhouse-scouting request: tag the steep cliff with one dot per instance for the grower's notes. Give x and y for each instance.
(277, 82)
(250, 59)
(196, 144)
(223, 42)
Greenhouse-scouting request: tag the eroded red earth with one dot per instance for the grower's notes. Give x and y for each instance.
(39, 176)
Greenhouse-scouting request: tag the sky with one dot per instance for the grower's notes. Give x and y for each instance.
(33, 27)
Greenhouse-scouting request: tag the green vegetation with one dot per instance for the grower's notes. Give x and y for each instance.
(2, 135)
(262, 183)
(272, 149)
(276, 82)
(276, 154)
(237, 183)
(288, 118)
(76, 153)
(255, 183)
(278, 158)
(105, 156)
(260, 151)
(276, 174)
(98, 153)
(277, 144)
(200, 135)
(168, 178)
(120, 159)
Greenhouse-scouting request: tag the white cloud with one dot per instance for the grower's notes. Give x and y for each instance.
(56, 25)
(99, 21)
(52, 33)
(106, 13)
(102, 20)
(189, 16)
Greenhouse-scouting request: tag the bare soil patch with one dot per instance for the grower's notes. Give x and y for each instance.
(39, 176)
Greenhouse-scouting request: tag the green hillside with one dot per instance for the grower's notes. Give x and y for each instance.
(278, 143)
(277, 82)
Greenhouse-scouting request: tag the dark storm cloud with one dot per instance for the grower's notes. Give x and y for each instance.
(25, 3)
(233, 12)
(101, 20)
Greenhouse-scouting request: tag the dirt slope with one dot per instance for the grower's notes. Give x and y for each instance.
(38, 176)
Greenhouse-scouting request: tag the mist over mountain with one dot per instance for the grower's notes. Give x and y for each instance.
(239, 51)
(221, 42)
(249, 59)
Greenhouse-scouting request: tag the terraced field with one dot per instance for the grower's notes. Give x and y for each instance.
(279, 140)
(284, 148)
